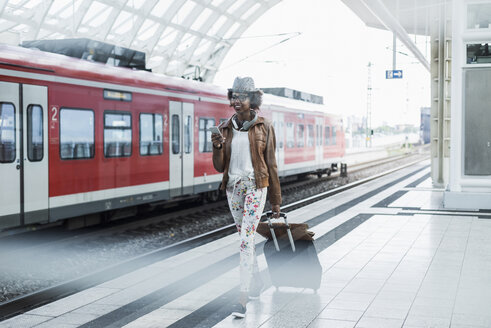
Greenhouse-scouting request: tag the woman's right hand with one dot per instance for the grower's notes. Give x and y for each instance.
(217, 140)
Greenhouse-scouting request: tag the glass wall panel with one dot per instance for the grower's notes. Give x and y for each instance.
(479, 15)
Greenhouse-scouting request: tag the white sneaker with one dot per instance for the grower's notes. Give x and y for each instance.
(239, 311)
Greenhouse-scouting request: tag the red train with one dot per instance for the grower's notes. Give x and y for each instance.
(78, 137)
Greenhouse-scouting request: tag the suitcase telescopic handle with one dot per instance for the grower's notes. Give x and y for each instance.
(269, 214)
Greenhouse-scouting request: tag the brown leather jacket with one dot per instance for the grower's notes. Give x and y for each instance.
(262, 142)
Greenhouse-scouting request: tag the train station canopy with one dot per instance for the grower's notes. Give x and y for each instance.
(180, 37)
(187, 38)
(400, 17)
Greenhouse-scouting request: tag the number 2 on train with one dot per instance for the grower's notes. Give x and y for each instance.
(54, 110)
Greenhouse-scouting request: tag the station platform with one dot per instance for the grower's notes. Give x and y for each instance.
(391, 257)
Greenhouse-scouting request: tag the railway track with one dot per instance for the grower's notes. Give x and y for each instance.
(172, 245)
(352, 170)
(58, 237)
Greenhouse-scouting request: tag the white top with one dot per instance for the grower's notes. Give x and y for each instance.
(240, 160)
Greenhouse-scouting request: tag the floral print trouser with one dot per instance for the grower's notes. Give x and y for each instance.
(246, 203)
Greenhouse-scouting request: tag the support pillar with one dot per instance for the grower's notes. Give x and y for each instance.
(441, 58)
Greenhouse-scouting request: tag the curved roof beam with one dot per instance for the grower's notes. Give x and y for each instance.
(147, 9)
(84, 8)
(217, 57)
(111, 20)
(40, 16)
(178, 36)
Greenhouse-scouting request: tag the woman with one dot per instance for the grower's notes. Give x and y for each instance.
(245, 153)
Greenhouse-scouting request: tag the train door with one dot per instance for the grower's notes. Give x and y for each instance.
(35, 151)
(279, 128)
(181, 150)
(23, 154)
(318, 141)
(10, 157)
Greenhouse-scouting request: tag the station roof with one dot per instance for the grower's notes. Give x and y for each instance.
(413, 15)
(180, 37)
(399, 16)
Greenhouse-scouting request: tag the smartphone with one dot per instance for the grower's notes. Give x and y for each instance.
(215, 129)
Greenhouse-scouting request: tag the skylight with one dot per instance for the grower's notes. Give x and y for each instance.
(71, 10)
(236, 5)
(32, 3)
(231, 31)
(175, 34)
(161, 7)
(123, 23)
(250, 11)
(216, 27)
(97, 14)
(147, 30)
(183, 12)
(186, 42)
(168, 37)
(202, 18)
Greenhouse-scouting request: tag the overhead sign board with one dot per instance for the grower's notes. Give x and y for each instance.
(393, 74)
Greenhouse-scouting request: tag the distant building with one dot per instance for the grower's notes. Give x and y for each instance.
(355, 124)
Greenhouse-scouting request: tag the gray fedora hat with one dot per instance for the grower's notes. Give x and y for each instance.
(244, 84)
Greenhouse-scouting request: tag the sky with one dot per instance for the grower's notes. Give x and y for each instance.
(330, 58)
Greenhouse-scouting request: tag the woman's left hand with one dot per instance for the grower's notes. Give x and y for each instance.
(276, 211)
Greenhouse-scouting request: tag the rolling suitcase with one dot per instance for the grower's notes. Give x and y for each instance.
(292, 263)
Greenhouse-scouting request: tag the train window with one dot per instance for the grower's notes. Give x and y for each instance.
(176, 140)
(76, 133)
(278, 128)
(151, 132)
(117, 134)
(290, 135)
(35, 133)
(319, 135)
(478, 53)
(205, 145)
(310, 136)
(333, 139)
(300, 135)
(7, 133)
(327, 136)
(187, 134)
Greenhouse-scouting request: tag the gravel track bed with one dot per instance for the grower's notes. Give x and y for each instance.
(52, 265)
